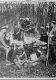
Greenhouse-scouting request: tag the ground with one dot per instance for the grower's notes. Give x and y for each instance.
(41, 70)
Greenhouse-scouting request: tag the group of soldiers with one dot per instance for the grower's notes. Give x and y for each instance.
(12, 41)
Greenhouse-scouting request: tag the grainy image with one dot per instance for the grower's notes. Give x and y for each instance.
(27, 39)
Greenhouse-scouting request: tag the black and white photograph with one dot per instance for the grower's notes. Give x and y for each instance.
(28, 39)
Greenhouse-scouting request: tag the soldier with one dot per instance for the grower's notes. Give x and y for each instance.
(4, 45)
(52, 41)
(16, 32)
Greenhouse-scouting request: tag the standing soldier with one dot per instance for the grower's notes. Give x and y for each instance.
(4, 45)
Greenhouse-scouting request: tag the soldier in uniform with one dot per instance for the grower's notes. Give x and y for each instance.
(52, 41)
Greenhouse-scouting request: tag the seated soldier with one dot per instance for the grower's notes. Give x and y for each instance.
(20, 60)
(14, 44)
